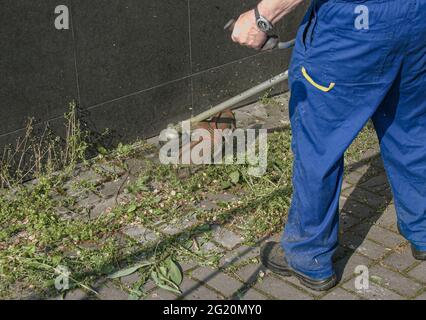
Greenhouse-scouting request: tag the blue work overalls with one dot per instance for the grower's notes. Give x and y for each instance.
(355, 60)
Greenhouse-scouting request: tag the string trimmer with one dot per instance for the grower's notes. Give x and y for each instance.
(221, 114)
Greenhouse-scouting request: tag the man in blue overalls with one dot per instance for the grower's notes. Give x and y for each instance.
(354, 60)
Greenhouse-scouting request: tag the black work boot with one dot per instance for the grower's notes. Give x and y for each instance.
(273, 258)
(417, 254)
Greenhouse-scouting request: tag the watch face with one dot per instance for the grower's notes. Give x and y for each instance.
(263, 25)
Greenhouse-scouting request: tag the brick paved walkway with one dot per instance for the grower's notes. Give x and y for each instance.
(368, 238)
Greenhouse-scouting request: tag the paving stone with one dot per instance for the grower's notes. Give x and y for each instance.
(353, 177)
(111, 169)
(372, 250)
(419, 272)
(341, 253)
(102, 207)
(356, 209)
(88, 203)
(274, 238)
(421, 297)
(387, 193)
(208, 205)
(110, 189)
(226, 238)
(296, 282)
(74, 191)
(76, 294)
(177, 226)
(350, 240)
(377, 161)
(131, 279)
(340, 294)
(378, 183)
(371, 172)
(283, 100)
(155, 141)
(278, 116)
(67, 214)
(360, 166)
(363, 246)
(188, 265)
(281, 290)
(222, 197)
(373, 200)
(371, 154)
(135, 165)
(378, 234)
(345, 268)
(346, 185)
(141, 234)
(217, 280)
(109, 291)
(342, 202)
(243, 119)
(346, 192)
(192, 290)
(148, 286)
(258, 111)
(374, 292)
(388, 219)
(210, 247)
(87, 175)
(400, 260)
(239, 255)
(395, 281)
(252, 295)
(250, 273)
(160, 294)
(347, 221)
(275, 123)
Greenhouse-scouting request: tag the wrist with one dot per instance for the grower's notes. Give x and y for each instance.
(266, 11)
(263, 24)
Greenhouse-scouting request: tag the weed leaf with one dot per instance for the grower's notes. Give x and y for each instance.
(235, 177)
(128, 271)
(132, 208)
(174, 272)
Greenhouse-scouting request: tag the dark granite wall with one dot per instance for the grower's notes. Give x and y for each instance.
(133, 66)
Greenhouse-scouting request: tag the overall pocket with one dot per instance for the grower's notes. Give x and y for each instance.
(306, 37)
(359, 57)
(359, 53)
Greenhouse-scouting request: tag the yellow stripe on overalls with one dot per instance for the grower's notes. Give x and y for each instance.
(316, 85)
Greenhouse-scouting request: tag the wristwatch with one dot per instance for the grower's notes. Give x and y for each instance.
(262, 23)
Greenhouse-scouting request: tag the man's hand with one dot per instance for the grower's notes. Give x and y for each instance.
(247, 33)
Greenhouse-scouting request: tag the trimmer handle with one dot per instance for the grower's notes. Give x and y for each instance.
(271, 42)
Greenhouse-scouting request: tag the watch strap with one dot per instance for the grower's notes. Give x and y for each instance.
(257, 13)
(260, 17)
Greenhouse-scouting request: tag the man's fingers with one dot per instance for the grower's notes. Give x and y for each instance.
(246, 32)
(237, 39)
(250, 44)
(236, 36)
(255, 46)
